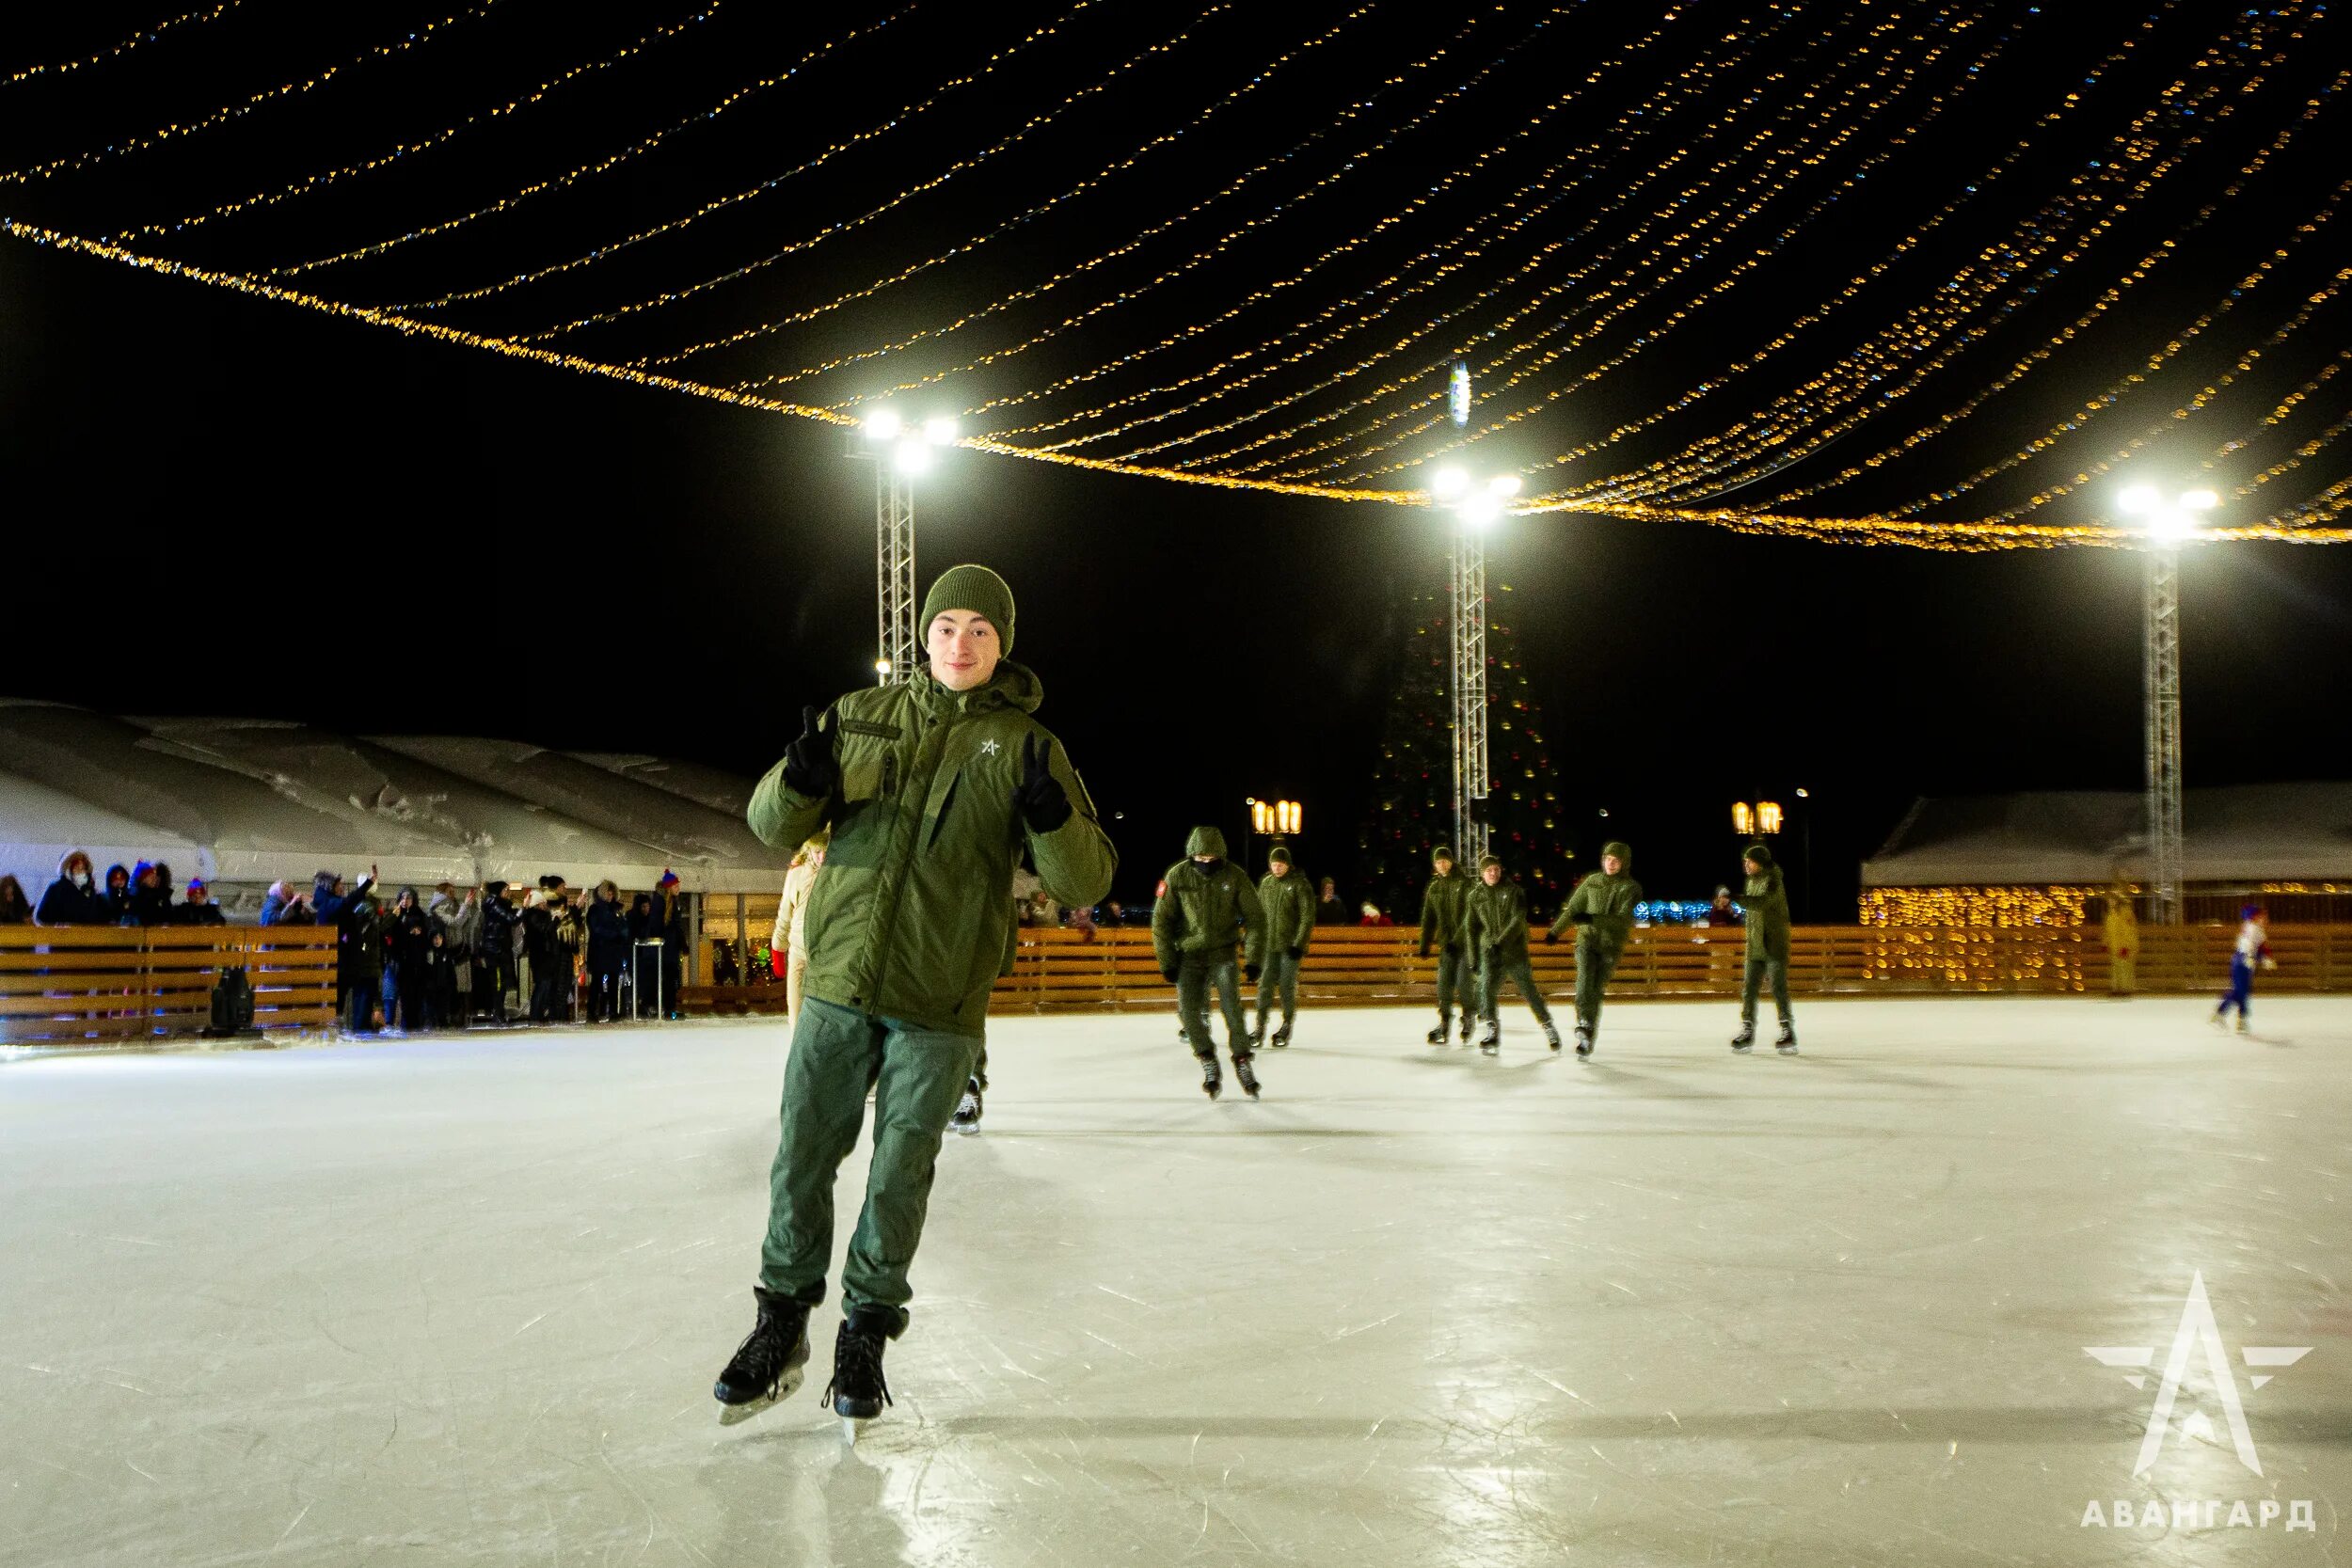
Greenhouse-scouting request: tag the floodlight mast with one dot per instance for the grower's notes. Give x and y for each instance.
(2166, 522)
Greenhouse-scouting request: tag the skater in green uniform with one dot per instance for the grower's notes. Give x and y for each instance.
(1443, 903)
(1601, 910)
(1209, 906)
(1494, 922)
(1766, 903)
(931, 790)
(1290, 923)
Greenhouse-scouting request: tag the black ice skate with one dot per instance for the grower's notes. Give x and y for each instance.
(1212, 1082)
(1247, 1079)
(1281, 1038)
(1444, 1028)
(1746, 1037)
(1490, 1037)
(967, 1118)
(770, 1364)
(1551, 1033)
(1465, 1028)
(857, 1391)
(1786, 1044)
(1583, 1038)
(1257, 1036)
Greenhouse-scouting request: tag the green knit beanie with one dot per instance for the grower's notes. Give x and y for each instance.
(1279, 855)
(1623, 851)
(1485, 861)
(1442, 852)
(976, 589)
(1757, 853)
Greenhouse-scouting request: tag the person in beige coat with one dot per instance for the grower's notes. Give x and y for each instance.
(790, 936)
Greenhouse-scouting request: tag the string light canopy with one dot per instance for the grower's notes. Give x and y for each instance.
(1894, 271)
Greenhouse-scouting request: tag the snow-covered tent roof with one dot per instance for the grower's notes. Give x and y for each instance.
(251, 802)
(711, 850)
(503, 838)
(727, 793)
(39, 826)
(2235, 833)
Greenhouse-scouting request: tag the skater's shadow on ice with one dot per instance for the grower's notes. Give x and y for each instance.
(834, 1512)
(1648, 1086)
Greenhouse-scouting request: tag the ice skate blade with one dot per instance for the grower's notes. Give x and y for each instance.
(1743, 1050)
(967, 1128)
(850, 1427)
(785, 1387)
(1788, 1049)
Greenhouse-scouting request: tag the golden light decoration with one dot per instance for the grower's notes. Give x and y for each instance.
(148, 36)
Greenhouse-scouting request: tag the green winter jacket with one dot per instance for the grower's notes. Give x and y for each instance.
(1205, 913)
(1496, 917)
(912, 918)
(1444, 905)
(1607, 901)
(1289, 903)
(1766, 902)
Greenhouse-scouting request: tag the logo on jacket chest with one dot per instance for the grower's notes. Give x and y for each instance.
(990, 747)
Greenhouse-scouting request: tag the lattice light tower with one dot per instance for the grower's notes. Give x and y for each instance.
(1475, 509)
(898, 455)
(2166, 522)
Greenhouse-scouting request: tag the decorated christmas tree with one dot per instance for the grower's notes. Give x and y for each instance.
(1413, 805)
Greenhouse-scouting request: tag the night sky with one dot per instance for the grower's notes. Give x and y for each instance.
(220, 504)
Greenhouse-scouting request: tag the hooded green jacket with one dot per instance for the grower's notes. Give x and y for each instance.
(1766, 902)
(1496, 917)
(1203, 913)
(1444, 904)
(912, 918)
(1289, 903)
(1608, 900)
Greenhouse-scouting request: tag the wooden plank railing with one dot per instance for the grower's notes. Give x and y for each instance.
(107, 985)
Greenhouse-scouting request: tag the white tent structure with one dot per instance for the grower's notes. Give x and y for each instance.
(729, 793)
(43, 825)
(2235, 836)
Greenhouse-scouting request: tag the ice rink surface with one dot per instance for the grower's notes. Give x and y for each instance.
(462, 1300)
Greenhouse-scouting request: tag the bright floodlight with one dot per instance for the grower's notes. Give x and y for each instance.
(882, 667)
(1504, 484)
(912, 456)
(882, 425)
(1448, 482)
(2139, 499)
(2199, 500)
(940, 432)
(2171, 522)
(1482, 509)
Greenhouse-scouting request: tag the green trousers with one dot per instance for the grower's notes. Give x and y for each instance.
(917, 1075)
(1496, 966)
(1280, 979)
(1194, 976)
(1456, 978)
(1595, 961)
(1763, 964)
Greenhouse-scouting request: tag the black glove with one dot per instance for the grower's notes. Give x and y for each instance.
(808, 766)
(1424, 948)
(1552, 935)
(1579, 919)
(1045, 804)
(1250, 973)
(1168, 973)
(1453, 949)
(1296, 954)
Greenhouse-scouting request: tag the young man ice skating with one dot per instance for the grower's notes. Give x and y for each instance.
(931, 790)
(2252, 951)
(1494, 920)
(1208, 907)
(1290, 922)
(1601, 910)
(1444, 903)
(1765, 903)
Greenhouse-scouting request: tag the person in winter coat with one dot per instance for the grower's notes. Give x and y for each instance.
(359, 952)
(118, 896)
(1290, 923)
(2122, 934)
(1723, 911)
(282, 905)
(1494, 920)
(1764, 907)
(74, 898)
(790, 936)
(1601, 910)
(1444, 903)
(15, 909)
(608, 953)
(932, 788)
(459, 921)
(1209, 907)
(660, 971)
(2252, 951)
(494, 953)
(1330, 909)
(419, 954)
(150, 895)
(197, 907)
(550, 962)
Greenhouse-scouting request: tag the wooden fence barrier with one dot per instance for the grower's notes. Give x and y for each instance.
(107, 985)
